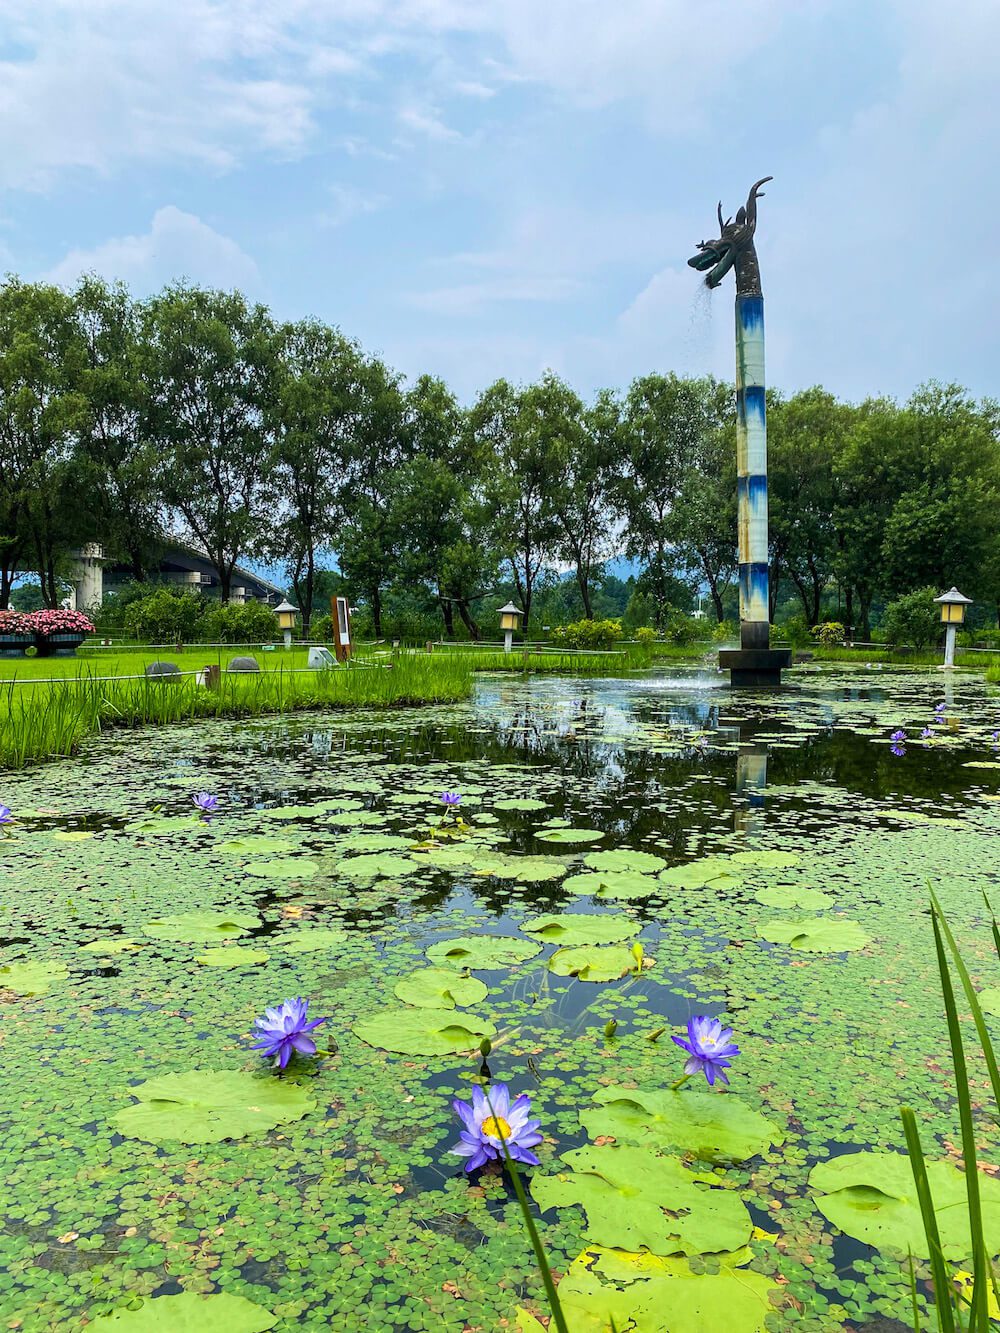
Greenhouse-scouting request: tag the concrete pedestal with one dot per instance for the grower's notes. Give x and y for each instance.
(750, 667)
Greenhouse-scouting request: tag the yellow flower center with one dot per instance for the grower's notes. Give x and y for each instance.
(496, 1127)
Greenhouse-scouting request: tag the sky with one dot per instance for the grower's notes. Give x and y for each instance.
(486, 188)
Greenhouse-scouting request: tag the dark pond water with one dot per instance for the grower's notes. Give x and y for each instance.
(770, 854)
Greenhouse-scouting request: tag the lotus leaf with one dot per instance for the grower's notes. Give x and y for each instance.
(116, 944)
(569, 835)
(578, 928)
(612, 884)
(989, 1001)
(821, 934)
(624, 859)
(871, 1196)
(194, 927)
(592, 962)
(208, 1105)
(483, 952)
(715, 1127)
(423, 1031)
(71, 835)
(439, 988)
(283, 867)
(31, 978)
(637, 1200)
(781, 895)
(166, 824)
(233, 955)
(189, 1313)
(519, 803)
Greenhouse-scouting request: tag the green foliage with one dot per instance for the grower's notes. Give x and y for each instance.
(588, 634)
(831, 634)
(712, 1128)
(645, 635)
(234, 622)
(190, 1312)
(912, 619)
(207, 1105)
(167, 615)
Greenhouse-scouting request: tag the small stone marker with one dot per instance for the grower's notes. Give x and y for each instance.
(164, 671)
(320, 659)
(243, 664)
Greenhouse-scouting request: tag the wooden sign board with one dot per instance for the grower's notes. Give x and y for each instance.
(340, 614)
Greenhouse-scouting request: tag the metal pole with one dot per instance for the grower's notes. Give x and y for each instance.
(949, 646)
(751, 467)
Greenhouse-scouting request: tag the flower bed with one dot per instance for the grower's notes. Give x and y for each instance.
(60, 632)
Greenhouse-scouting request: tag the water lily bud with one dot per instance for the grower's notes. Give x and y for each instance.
(638, 953)
(656, 1034)
(485, 1046)
(611, 1027)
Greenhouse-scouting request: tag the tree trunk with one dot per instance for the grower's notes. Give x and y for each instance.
(376, 597)
(865, 598)
(849, 609)
(225, 581)
(448, 616)
(583, 582)
(307, 600)
(467, 620)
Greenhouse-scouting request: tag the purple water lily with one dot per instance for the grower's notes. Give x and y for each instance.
(926, 734)
(451, 798)
(206, 802)
(941, 708)
(5, 815)
(709, 1048)
(898, 750)
(898, 737)
(995, 738)
(283, 1030)
(480, 1140)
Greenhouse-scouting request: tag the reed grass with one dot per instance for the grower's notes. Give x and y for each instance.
(45, 721)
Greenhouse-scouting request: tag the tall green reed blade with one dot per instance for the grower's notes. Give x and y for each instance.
(978, 1316)
(548, 1281)
(970, 994)
(993, 918)
(939, 1271)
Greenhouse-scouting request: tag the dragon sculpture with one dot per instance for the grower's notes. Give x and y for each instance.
(734, 248)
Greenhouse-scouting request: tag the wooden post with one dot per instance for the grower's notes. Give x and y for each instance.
(340, 614)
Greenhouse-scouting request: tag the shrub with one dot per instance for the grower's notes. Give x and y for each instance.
(724, 631)
(912, 619)
(831, 634)
(321, 629)
(588, 634)
(796, 631)
(168, 615)
(59, 621)
(645, 635)
(236, 622)
(15, 622)
(683, 630)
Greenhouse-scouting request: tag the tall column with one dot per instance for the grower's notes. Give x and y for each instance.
(751, 470)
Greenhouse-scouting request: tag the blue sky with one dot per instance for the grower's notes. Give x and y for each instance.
(479, 188)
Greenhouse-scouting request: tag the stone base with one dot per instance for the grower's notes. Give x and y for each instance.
(749, 667)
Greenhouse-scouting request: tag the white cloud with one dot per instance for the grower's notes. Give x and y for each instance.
(178, 245)
(347, 202)
(471, 298)
(427, 122)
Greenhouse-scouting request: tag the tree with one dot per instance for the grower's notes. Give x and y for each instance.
(669, 423)
(514, 433)
(366, 542)
(211, 362)
(319, 406)
(702, 524)
(119, 458)
(41, 415)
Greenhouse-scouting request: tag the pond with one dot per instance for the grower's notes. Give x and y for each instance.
(770, 854)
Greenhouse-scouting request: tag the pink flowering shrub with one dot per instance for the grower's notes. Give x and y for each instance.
(45, 623)
(15, 622)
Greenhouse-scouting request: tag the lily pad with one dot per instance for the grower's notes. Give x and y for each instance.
(255, 844)
(309, 939)
(569, 835)
(519, 803)
(208, 1105)
(871, 1196)
(423, 1031)
(482, 952)
(781, 895)
(612, 884)
(714, 871)
(989, 1001)
(31, 978)
(819, 934)
(194, 927)
(72, 835)
(716, 1127)
(189, 1312)
(108, 948)
(765, 859)
(377, 864)
(624, 859)
(637, 1200)
(156, 824)
(592, 962)
(438, 988)
(283, 867)
(233, 955)
(578, 928)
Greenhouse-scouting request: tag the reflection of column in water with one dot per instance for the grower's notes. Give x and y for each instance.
(751, 781)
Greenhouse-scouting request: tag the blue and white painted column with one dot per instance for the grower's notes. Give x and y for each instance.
(751, 470)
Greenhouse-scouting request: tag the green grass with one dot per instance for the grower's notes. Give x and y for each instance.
(46, 721)
(132, 661)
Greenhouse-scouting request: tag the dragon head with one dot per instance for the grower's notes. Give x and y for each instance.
(735, 238)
